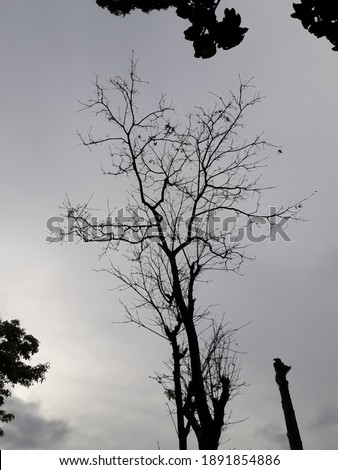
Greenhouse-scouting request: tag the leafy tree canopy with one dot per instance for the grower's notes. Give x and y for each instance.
(16, 346)
(207, 33)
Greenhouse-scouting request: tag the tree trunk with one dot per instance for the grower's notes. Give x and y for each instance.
(187, 315)
(181, 429)
(289, 413)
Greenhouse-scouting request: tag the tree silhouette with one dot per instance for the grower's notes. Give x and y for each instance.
(319, 17)
(16, 346)
(184, 179)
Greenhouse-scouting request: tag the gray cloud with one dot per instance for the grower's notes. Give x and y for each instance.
(272, 437)
(321, 429)
(326, 418)
(31, 430)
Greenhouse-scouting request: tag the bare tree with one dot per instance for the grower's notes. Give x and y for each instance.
(184, 179)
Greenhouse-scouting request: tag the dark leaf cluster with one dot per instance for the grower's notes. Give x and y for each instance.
(319, 17)
(207, 33)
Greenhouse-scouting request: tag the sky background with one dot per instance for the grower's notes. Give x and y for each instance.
(98, 394)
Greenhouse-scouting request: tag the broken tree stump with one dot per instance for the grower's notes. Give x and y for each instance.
(289, 413)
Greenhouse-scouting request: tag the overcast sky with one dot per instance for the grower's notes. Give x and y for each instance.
(98, 394)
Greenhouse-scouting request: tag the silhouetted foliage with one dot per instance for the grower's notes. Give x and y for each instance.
(319, 17)
(16, 346)
(206, 31)
(184, 177)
